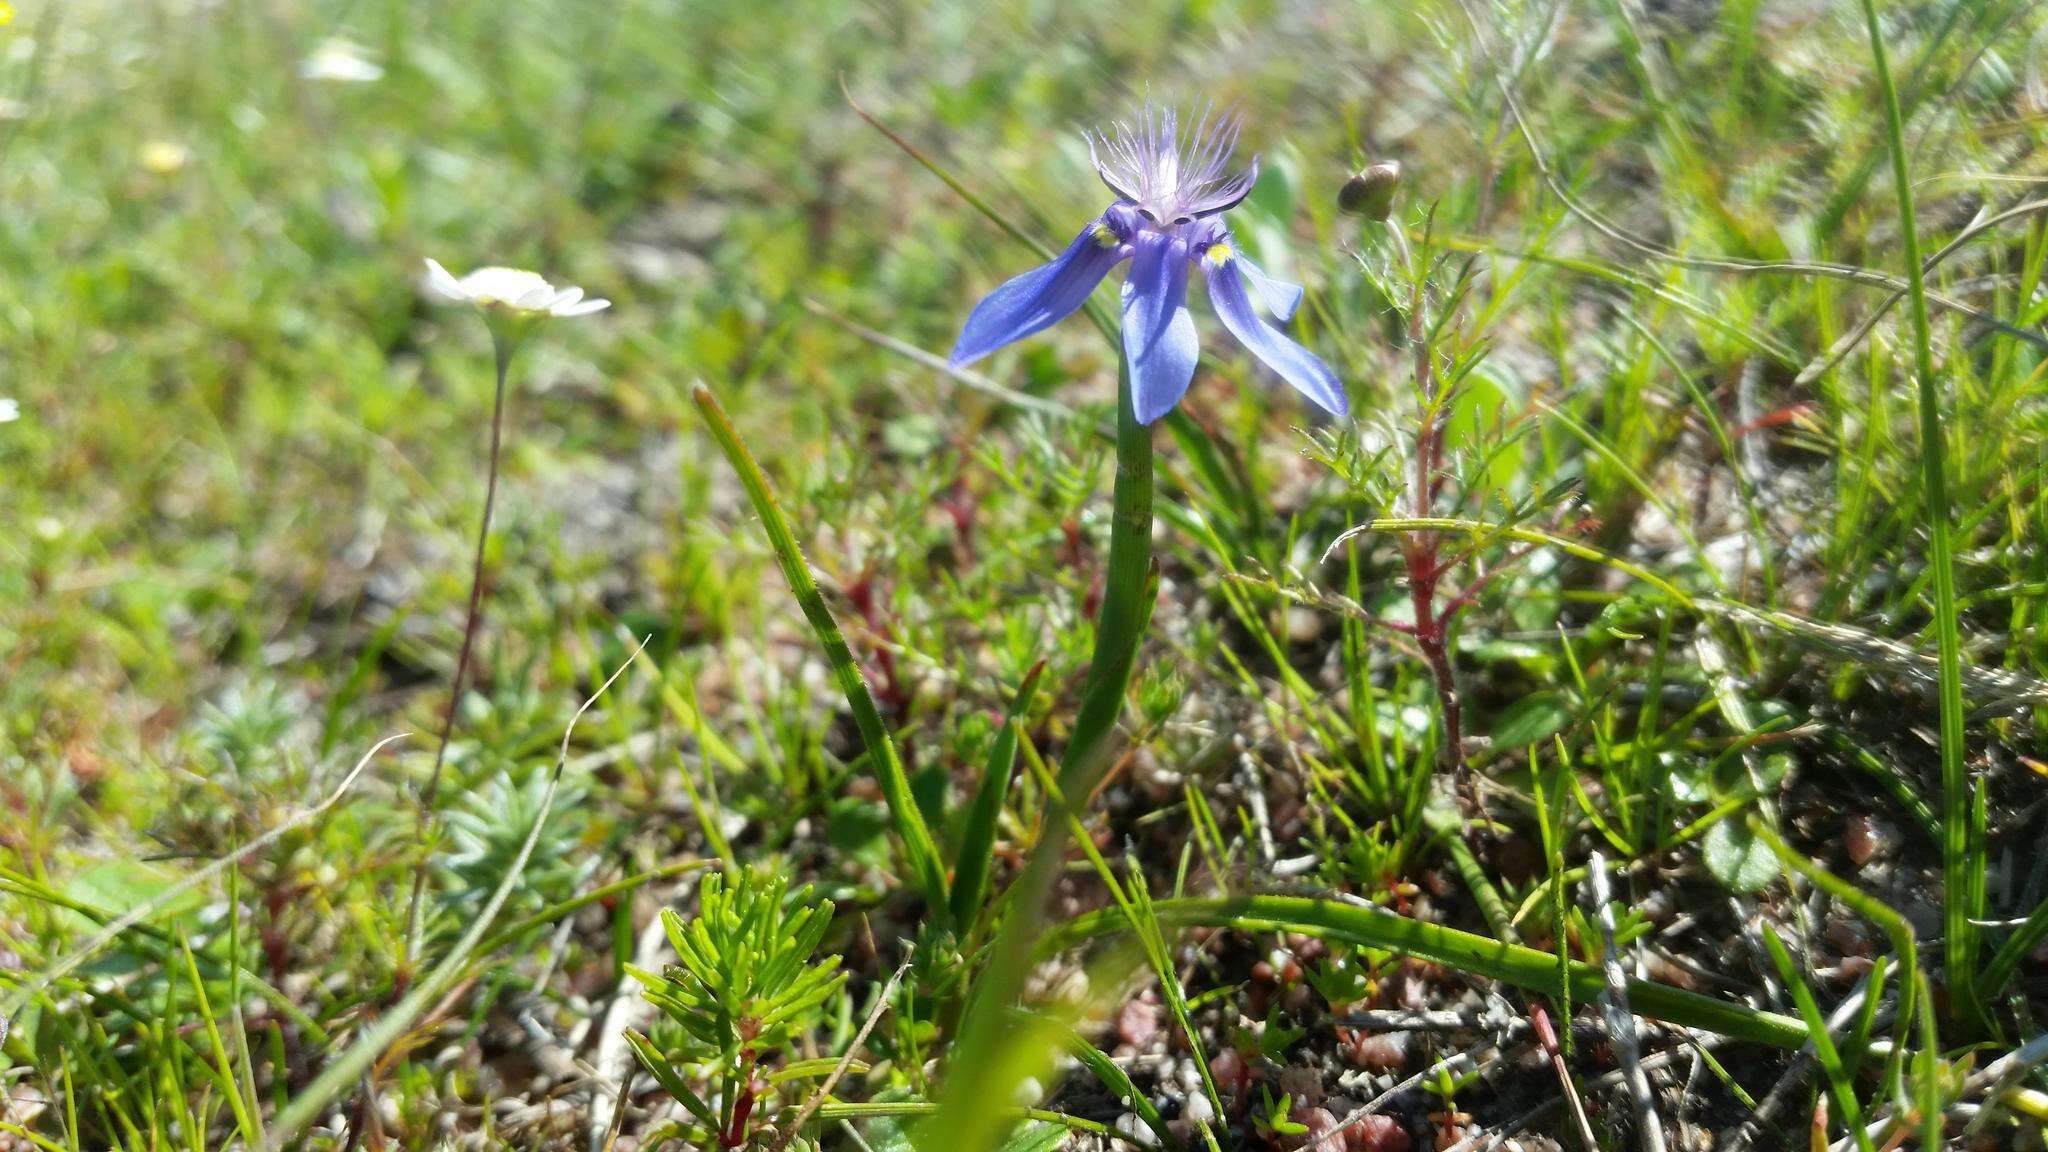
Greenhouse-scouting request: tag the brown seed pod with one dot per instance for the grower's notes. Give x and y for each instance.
(1370, 193)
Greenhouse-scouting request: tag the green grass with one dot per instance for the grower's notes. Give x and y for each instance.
(1730, 318)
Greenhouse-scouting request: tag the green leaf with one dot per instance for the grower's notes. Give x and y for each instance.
(1118, 1082)
(659, 1067)
(816, 1069)
(1738, 859)
(1275, 193)
(123, 884)
(1537, 716)
(1536, 659)
(859, 830)
(1036, 1138)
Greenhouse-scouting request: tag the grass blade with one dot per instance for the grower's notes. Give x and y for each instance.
(245, 1108)
(1514, 964)
(2016, 948)
(978, 836)
(918, 847)
(1895, 926)
(1962, 865)
(1118, 1083)
(1824, 1051)
(1481, 531)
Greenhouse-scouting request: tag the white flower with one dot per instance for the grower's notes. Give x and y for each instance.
(165, 157)
(513, 289)
(340, 61)
(10, 410)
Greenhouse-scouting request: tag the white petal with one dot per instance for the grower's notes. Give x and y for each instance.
(439, 279)
(342, 61)
(534, 299)
(585, 308)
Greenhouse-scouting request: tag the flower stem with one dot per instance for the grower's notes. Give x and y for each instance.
(1422, 552)
(1126, 610)
(501, 347)
(976, 1073)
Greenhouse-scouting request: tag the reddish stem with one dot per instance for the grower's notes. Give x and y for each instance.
(501, 349)
(1464, 598)
(1423, 551)
(1547, 1037)
(742, 1106)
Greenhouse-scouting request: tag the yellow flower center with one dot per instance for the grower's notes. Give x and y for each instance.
(506, 286)
(1218, 254)
(1105, 236)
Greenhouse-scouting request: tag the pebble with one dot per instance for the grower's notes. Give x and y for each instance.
(1380, 1051)
(1137, 1024)
(1130, 1125)
(1378, 1133)
(1317, 1121)
(1866, 837)
(1302, 1084)
(1028, 1093)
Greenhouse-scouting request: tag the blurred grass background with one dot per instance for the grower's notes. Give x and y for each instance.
(236, 508)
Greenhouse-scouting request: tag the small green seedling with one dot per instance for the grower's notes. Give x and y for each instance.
(1275, 1119)
(743, 988)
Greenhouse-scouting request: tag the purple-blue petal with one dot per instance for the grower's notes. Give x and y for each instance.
(1281, 297)
(1295, 364)
(1042, 297)
(1159, 335)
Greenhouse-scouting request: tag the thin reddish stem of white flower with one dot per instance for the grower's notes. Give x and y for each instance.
(501, 345)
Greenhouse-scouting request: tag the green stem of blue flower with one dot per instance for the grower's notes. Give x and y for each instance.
(976, 1074)
(1125, 611)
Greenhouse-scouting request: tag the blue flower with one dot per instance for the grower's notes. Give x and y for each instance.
(1172, 190)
